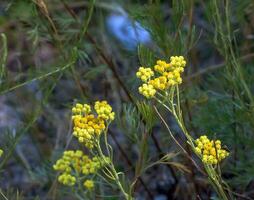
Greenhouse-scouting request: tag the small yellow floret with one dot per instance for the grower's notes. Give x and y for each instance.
(80, 109)
(73, 162)
(159, 83)
(88, 126)
(198, 150)
(166, 76)
(104, 110)
(177, 61)
(67, 179)
(144, 74)
(209, 150)
(147, 90)
(89, 184)
(1, 152)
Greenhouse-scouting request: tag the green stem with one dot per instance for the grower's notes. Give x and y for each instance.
(163, 104)
(80, 187)
(113, 171)
(177, 113)
(213, 176)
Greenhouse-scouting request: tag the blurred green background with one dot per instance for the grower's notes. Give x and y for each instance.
(57, 52)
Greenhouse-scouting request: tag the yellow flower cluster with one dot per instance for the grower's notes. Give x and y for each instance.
(210, 150)
(168, 74)
(89, 184)
(79, 109)
(1, 152)
(104, 110)
(147, 90)
(88, 126)
(144, 73)
(67, 179)
(74, 163)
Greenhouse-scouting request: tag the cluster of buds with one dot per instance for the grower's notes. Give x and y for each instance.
(162, 76)
(210, 150)
(76, 163)
(89, 125)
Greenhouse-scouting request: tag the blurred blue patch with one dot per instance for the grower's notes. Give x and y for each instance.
(129, 33)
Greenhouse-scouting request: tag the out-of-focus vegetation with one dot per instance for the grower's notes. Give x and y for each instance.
(55, 53)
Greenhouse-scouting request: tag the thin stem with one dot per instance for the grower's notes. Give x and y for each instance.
(86, 22)
(129, 162)
(215, 181)
(163, 104)
(164, 122)
(80, 188)
(113, 171)
(175, 109)
(106, 142)
(3, 195)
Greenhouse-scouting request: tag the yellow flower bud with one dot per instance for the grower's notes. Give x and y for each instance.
(212, 152)
(1, 152)
(89, 184)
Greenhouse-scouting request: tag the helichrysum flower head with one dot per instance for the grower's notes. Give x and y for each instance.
(1, 152)
(161, 66)
(165, 75)
(210, 150)
(147, 90)
(80, 109)
(177, 61)
(88, 126)
(144, 73)
(74, 163)
(104, 110)
(159, 83)
(89, 184)
(67, 179)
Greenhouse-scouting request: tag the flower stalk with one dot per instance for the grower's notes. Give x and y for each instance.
(161, 84)
(90, 125)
